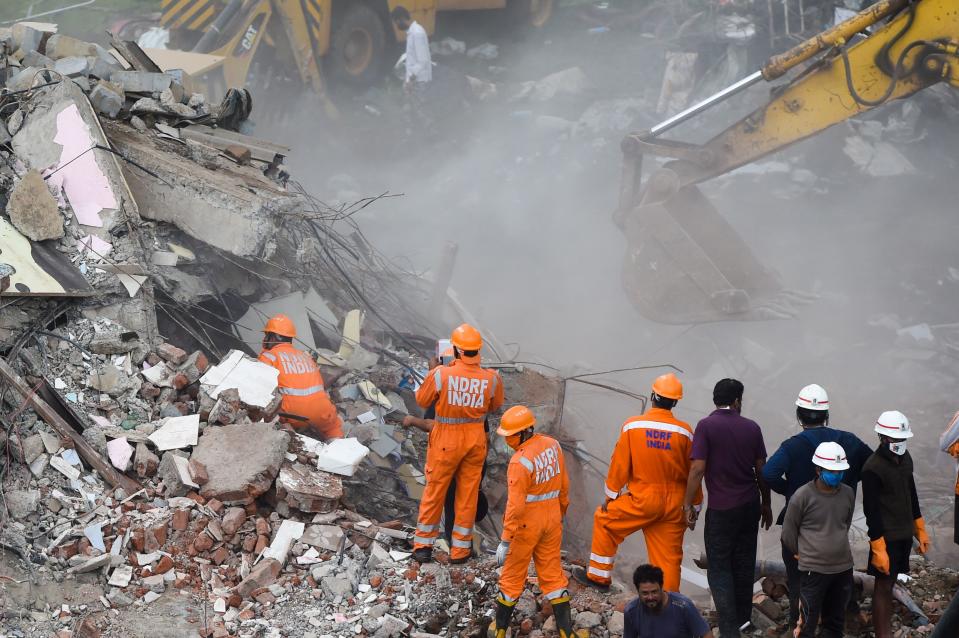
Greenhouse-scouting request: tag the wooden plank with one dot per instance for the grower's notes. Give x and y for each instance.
(54, 420)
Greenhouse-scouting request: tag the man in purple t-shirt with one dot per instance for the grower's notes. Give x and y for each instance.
(728, 449)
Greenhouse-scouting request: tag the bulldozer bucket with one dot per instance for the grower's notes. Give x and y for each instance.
(686, 264)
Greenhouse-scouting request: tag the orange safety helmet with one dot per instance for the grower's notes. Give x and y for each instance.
(466, 337)
(281, 325)
(668, 386)
(516, 419)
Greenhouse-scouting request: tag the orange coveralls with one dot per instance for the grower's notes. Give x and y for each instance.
(463, 393)
(301, 385)
(533, 522)
(651, 460)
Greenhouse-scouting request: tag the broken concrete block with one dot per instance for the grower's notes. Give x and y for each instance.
(95, 437)
(63, 46)
(242, 460)
(27, 449)
(37, 59)
(263, 575)
(33, 210)
(26, 37)
(89, 565)
(240, 154)
(142, 81)
(173, 477)
(102, 70)
(145, 462)
(308, 490)
(72, 67)
(22, 503)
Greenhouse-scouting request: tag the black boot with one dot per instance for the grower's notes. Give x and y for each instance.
(504, 611)
(580, 575)
(563, 615)
(423, 555)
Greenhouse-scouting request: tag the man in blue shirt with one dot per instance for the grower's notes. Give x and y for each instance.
(789, 468)
(661, 614)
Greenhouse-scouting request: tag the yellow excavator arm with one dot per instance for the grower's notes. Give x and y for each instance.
(671, 228)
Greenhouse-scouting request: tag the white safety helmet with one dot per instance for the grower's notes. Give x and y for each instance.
(813, 397)
(830, 456)
(893, 424)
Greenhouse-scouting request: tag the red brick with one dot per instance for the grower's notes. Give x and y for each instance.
(220, 555)
(215, 505)
(181, 519)
(202, 363)
(262, 526)
(169, 352)
(138, 540)
(265, 598)
(196, 497)
(203, 543)
(249, 543)
(198, 472)
(159, 533)
(164, 565)
(262, 542)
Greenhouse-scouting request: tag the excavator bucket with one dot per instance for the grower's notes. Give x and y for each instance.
(686, 264)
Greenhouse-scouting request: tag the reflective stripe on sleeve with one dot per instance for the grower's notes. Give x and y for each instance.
(438, 379)
(656, 425)
(610, 493)
(269, 355)
(605, 560)
(525, 462)
(303, 392)
(535, 498)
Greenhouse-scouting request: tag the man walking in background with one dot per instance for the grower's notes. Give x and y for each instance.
(644, 490)
(658, 613)
(788, 468)
(728, 449)
(419, 64)
(816, 529)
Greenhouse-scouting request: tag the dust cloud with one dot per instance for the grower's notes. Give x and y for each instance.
(528, 200)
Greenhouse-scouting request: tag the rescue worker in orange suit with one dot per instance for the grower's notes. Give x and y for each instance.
(306, 406)
(533, 523)
(645, 489)
(464, 393)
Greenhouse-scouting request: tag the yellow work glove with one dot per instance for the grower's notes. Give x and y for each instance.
(919, 530)
(880, 559)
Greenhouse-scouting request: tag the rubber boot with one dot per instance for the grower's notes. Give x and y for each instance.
(504, 611)
(423, 555)
(563, 616)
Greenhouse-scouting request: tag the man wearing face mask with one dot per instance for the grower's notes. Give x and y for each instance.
(816, 530)
(533, 522)
(891, 506)
(788, 468)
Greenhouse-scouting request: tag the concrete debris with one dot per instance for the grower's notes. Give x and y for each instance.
(33, 210)
(569, 82)
(308, 490)
(177, 432)
(242, 460)
(341, 456)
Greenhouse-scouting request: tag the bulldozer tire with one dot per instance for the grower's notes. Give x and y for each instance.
(529, 13)
(357, 46)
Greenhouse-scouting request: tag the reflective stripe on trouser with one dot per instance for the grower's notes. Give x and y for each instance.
(454, 451)
(658, 511)
(540, 540)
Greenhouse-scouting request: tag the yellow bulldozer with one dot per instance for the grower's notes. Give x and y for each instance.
(685, 262)
(219, 41)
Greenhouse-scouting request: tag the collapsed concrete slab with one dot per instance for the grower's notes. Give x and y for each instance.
(233, 208)
(33, 210)
(241, 460)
